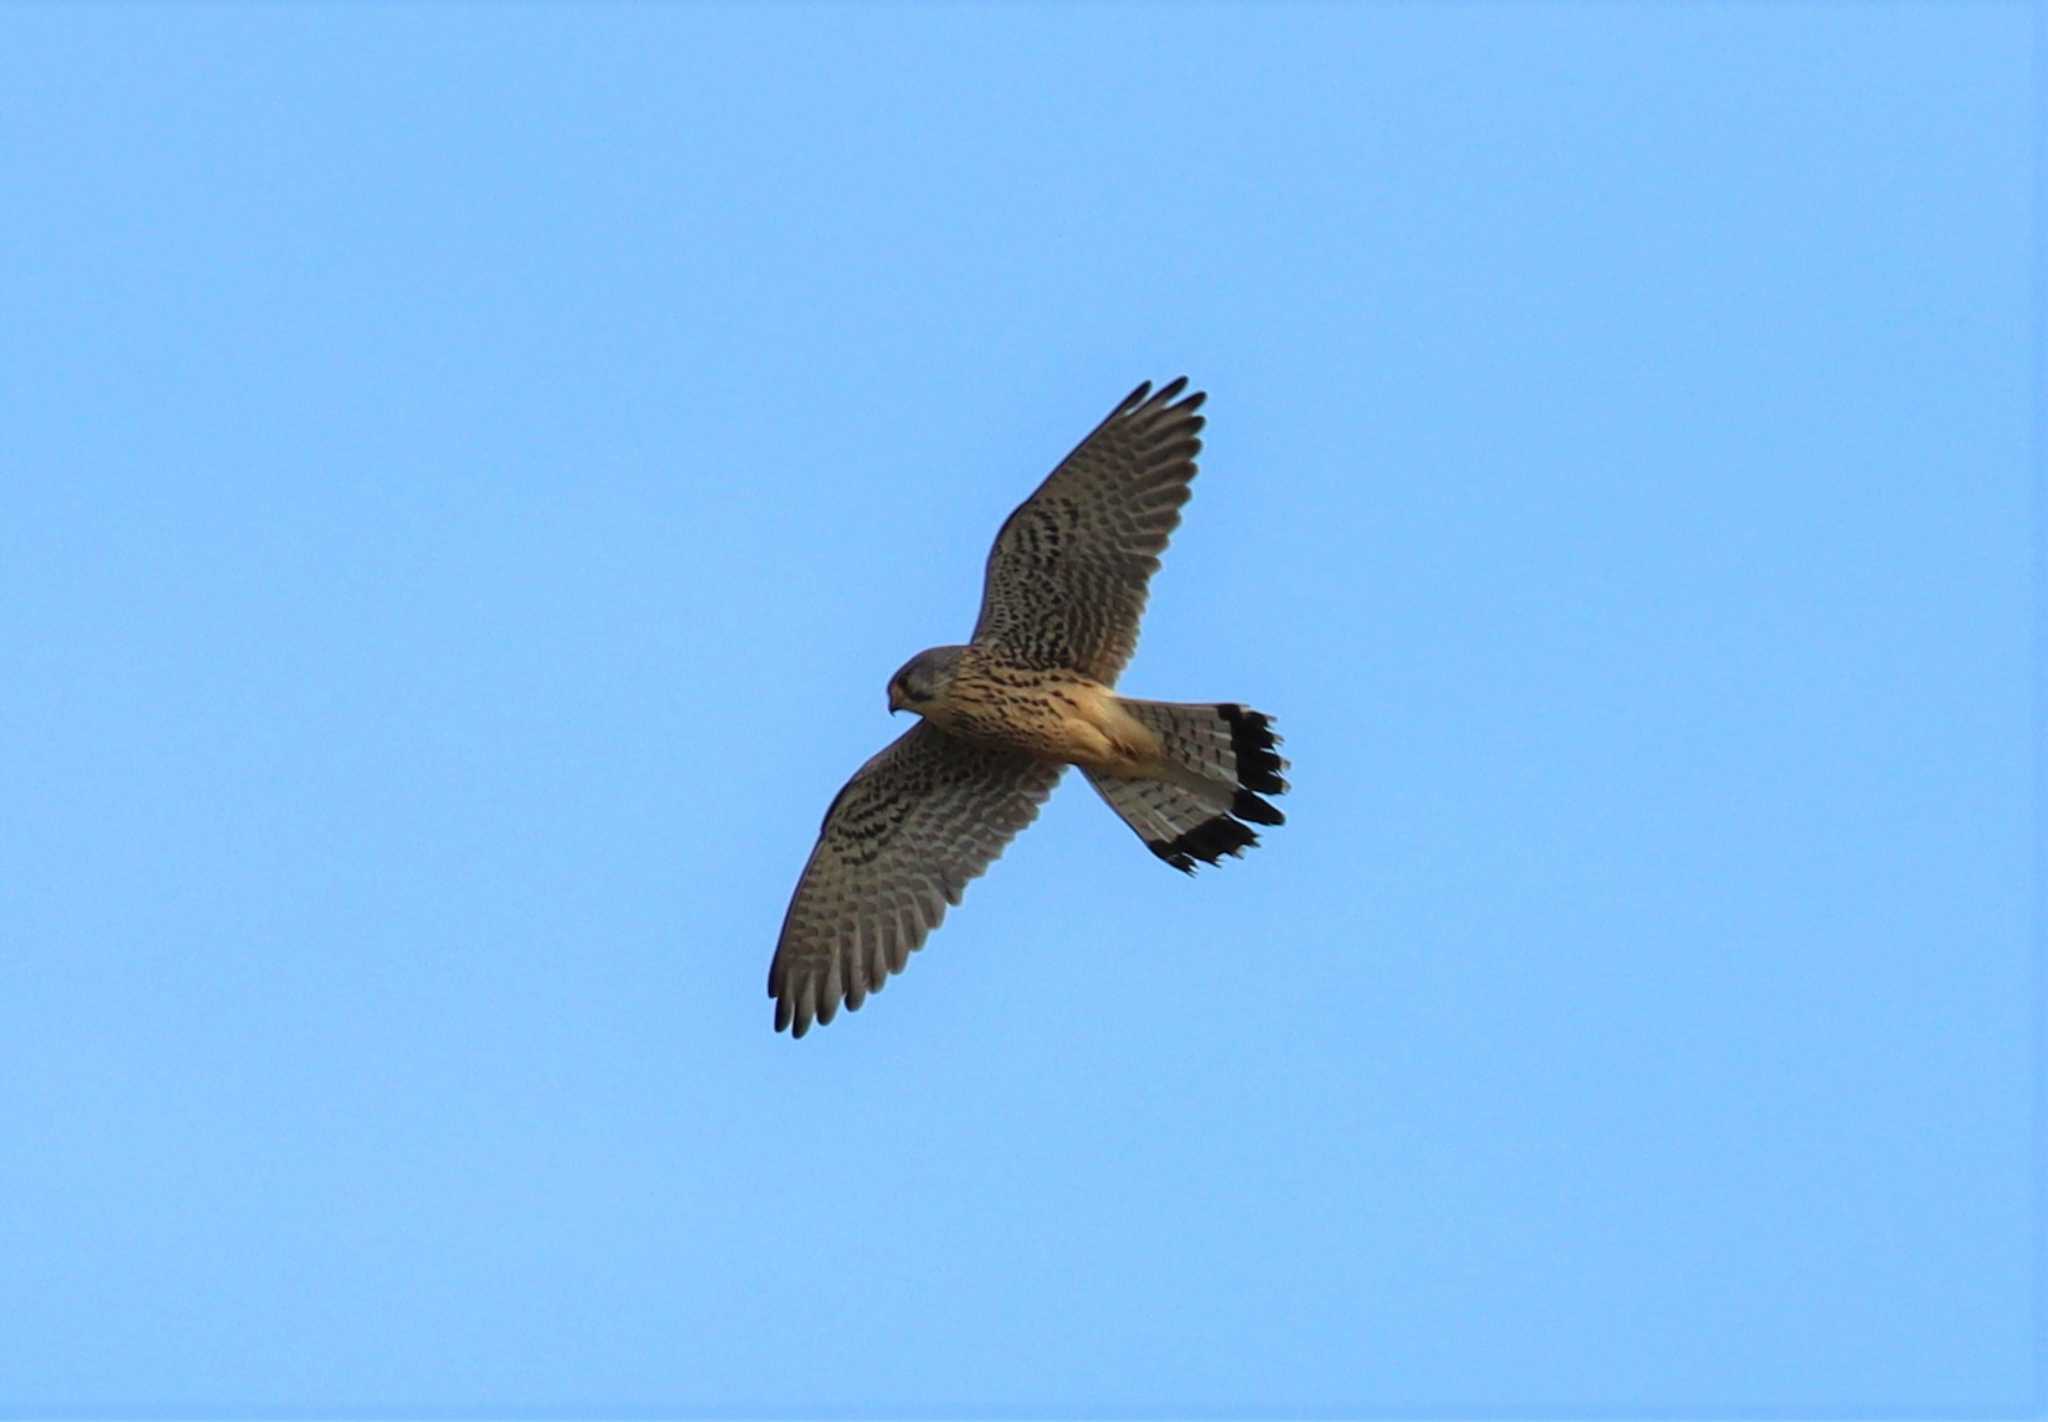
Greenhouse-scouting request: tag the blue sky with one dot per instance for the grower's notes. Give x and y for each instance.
(470, 472)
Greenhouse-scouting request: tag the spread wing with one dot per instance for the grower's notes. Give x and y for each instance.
(898, 845)
(1066, 578)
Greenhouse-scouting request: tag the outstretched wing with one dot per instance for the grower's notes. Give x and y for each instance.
(898, 845)
(1066, 578)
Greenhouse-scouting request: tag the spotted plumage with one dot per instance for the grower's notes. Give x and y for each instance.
(1006, 713)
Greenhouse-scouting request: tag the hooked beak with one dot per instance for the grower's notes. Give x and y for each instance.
(894, 704)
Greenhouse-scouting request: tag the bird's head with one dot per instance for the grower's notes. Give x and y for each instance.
(923, 679)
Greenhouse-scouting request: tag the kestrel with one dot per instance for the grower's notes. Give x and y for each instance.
(1004, 715)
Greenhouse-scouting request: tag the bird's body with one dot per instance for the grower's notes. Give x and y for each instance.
(1006, 713)
(1047, 712)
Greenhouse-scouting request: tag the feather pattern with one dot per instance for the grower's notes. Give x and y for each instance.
(898, 846)
(1219, 758)
(1067, 577)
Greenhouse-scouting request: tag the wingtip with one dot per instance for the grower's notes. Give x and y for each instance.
(1171, 391)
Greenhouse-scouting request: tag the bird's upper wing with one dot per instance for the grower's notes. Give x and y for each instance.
(1066, 578)
(898, 845)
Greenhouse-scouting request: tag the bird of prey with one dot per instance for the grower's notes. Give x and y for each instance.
(1004, 715)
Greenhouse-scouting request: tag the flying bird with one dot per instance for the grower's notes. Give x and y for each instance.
(1004, 716)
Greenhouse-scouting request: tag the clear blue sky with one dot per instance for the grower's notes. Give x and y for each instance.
(470, 471)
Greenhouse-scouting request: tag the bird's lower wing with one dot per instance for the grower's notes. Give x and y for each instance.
(898, 845)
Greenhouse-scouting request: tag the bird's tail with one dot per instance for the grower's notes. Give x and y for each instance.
(1216, 760)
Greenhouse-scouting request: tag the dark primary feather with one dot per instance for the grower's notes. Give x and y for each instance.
(1067, 576)
(898, 845)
